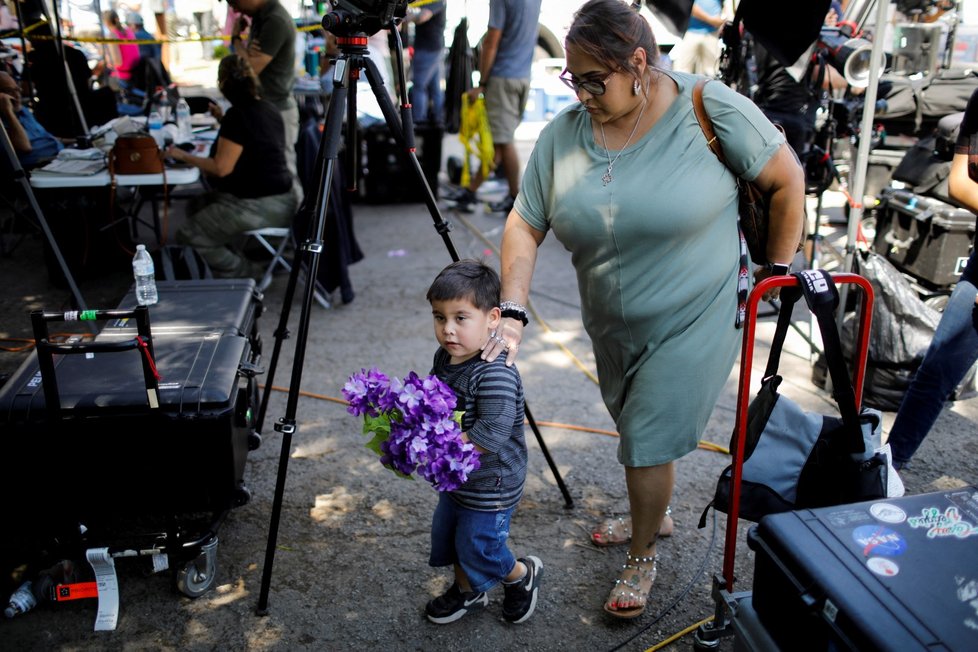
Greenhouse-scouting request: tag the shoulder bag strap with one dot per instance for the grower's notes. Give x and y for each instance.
(789, 296)
(702, 117)
(823, 298)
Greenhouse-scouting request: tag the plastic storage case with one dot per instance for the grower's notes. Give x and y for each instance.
(99, 452)
(894, 574)
(923, 236)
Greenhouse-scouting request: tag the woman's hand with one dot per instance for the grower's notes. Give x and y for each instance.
(175, 153)
(504, 340)
(215, 110)
(762, 273)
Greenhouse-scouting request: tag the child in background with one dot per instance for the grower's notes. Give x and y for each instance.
(470, 526)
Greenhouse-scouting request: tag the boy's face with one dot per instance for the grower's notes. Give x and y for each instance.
(461, 328)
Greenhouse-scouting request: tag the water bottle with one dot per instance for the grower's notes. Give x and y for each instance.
(155, 124)
(183, 121)
(21, 601)
(142, 268)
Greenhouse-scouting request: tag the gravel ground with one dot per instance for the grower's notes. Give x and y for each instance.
(350, 566)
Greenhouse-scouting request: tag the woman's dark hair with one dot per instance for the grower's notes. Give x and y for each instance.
(609, 31)
(467, 279)
(237, 80)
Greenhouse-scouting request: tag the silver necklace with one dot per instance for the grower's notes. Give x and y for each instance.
(606, 178)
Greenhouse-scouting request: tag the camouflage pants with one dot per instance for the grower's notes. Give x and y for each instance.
(215, 219)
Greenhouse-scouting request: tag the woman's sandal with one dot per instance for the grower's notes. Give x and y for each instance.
(617, 530)
(629, 589)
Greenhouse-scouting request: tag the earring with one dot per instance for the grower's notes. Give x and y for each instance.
(635, 87)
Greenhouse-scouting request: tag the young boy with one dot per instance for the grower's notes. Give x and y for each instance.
(471, 525)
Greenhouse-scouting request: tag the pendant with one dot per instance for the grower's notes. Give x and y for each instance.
(606, 179)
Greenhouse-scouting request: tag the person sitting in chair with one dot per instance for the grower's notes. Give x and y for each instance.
(33, 143)
(251, 185)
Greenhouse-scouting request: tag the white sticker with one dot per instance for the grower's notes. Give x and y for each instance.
(888, 513)
(108, 588)
(882, 566)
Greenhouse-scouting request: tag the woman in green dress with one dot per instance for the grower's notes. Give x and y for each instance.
(627, 184)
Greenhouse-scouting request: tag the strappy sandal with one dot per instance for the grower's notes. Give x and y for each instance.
(617, 530)
(629, 589)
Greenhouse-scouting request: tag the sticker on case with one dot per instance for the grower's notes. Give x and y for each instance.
(943, 524)
(888, 513)
(879, 540)
(882, 566)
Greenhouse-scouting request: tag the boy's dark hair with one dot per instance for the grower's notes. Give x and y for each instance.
(467, 279)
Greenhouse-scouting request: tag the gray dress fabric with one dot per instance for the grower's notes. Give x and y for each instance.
(657, 257)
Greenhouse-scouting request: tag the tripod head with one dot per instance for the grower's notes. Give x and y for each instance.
(367, 17)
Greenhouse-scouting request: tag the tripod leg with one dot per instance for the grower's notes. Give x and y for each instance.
(310, 250)
(407, 155)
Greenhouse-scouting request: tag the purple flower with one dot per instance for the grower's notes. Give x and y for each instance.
(366, 392)
(414, 426)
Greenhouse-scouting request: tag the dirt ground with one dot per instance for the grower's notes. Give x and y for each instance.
(350, 565)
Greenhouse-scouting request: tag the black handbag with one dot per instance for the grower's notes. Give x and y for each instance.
(794, 459)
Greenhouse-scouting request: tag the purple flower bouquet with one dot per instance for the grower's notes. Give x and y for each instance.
(414, 425)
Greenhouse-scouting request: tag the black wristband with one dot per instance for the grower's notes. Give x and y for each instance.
(512, 313)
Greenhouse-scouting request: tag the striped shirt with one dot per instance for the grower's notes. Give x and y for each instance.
(491, 396)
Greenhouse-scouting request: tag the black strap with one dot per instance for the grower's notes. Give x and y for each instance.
(822, 296)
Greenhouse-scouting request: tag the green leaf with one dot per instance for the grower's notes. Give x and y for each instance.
(378, 439)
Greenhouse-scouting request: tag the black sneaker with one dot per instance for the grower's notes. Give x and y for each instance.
(453, 604)
(465, 200)
(521, 598)
(504, 205)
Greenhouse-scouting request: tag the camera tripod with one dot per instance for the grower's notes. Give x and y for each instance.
(353, 59)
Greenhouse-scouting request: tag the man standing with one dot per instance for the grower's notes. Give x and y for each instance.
(428, 64)
(699, 49)
(504, 65)
(270, 50)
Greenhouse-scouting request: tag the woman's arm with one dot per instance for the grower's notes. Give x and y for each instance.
(225, 157)
(784, 179)
(517, 261)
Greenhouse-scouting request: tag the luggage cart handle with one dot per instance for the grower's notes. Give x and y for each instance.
(743, 396)
(46, 349)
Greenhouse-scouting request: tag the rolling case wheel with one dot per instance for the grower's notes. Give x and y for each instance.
(242, 496)
(254, 441)
(197, 576)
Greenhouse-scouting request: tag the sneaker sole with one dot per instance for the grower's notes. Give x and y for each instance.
(479, 603)
(538, 573)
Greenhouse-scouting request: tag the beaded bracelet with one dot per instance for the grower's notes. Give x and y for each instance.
(513, 310)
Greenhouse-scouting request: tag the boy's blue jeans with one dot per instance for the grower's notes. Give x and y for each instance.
(475, 540)
(949, 357)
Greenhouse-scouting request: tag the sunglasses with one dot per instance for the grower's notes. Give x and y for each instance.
(592, 86)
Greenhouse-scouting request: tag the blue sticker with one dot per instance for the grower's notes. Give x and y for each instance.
(879, 540)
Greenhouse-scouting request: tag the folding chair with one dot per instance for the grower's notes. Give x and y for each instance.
(284, 237)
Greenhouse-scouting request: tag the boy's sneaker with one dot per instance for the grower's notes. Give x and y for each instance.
(505, 205)
(521, 598)
(453, 604)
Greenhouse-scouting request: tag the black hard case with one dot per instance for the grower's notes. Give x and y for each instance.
(386, 179)
(106, 458)
(924, 237)
(814, 588)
